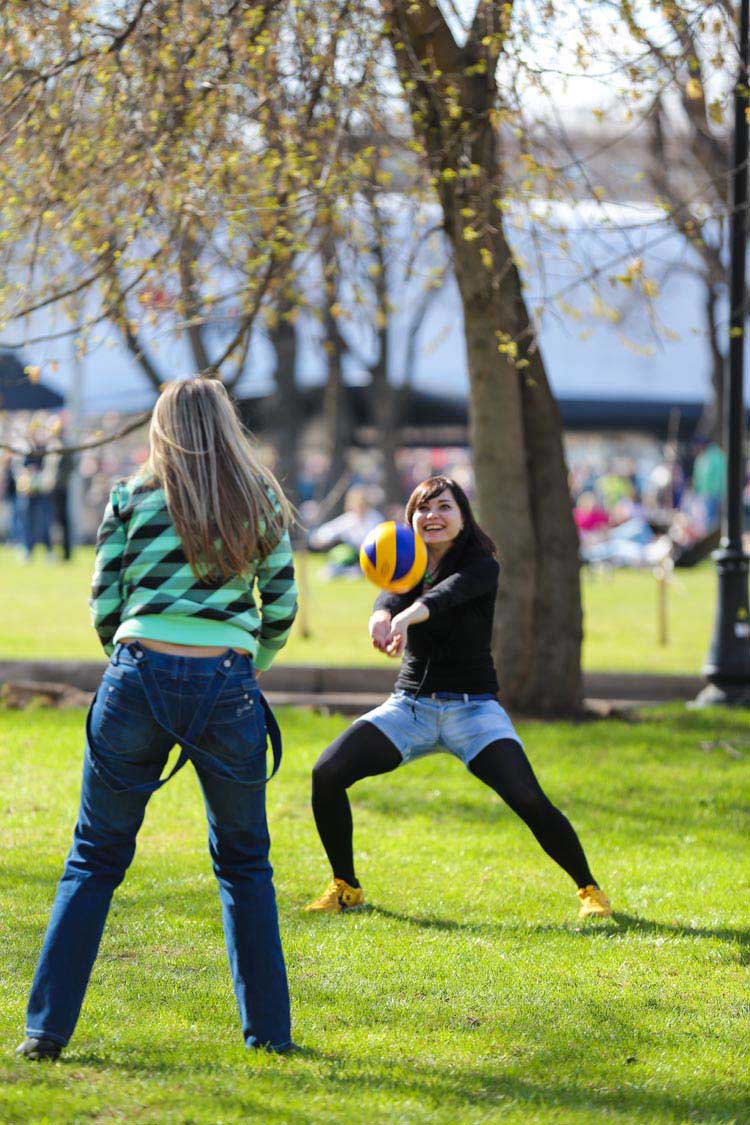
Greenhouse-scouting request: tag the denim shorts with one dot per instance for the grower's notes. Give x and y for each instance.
(421, 726)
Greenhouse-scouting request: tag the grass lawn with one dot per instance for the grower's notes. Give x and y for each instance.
(44, 614)
(466, 991)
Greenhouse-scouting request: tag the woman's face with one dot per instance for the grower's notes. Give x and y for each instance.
(438, 521)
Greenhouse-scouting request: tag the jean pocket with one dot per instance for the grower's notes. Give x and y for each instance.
(122, 721)
(238, 703)
(236, 735)
(123, 689)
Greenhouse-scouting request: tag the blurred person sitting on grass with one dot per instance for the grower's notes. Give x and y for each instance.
(589, 515)
(342, 537)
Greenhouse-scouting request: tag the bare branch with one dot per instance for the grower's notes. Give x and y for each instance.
(187, 257)
(129, 333)
(95, 444)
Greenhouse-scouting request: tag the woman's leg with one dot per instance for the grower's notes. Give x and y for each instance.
(503, 766)
(103, 847)
(135, 749)
(361, 751)
(239, 843)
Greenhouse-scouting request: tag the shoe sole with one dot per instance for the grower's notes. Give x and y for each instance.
(333, 910)
(39, 1056)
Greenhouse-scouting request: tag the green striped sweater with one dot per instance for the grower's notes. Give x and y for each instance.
(143, 585)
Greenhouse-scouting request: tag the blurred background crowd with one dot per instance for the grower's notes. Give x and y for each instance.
(635, 500)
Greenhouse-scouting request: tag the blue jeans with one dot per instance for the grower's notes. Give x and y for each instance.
(35, 514)
(125, 753)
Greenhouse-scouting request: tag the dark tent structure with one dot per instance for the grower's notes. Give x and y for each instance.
(18, 392)
(430, 418)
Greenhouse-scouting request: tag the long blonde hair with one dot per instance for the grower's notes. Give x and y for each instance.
(227, 507)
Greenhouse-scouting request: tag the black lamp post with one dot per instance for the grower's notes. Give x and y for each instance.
(727, 666)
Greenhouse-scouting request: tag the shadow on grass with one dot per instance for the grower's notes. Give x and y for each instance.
(618, 923)
(492, 1083)
(152, 1061)
(634, 923)
(463, 1088)
(203, 905)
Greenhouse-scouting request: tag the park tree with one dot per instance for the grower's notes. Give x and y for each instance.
(456, 105)
(465, 89)
(169, 158)
(173, 167)
(684, 65)
(165, 165)
(176, 156)
(652, 131)
(391, 262)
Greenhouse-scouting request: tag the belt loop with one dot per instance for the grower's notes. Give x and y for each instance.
(466, 697)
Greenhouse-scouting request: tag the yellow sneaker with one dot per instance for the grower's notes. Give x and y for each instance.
(594, 903)
(338, 896)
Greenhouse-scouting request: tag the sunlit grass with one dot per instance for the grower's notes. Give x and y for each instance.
(466, 992)
(44, 613)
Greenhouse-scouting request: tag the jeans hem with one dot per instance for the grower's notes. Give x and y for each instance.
(254, 1044)
(472, 754)
(35, 1033)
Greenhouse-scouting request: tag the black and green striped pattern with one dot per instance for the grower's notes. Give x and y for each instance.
(141, 569)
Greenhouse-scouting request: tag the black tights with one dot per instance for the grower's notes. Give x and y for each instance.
(364, 751)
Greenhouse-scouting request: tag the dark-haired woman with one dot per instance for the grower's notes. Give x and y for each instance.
(445, 699)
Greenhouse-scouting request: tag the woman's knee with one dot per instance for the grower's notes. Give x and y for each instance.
(327, 773)
(237, 854)
(533, 806)
(106, 858)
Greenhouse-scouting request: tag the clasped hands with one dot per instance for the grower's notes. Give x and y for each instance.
(388, 634)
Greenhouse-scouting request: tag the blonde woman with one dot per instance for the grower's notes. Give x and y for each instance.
(178, 553)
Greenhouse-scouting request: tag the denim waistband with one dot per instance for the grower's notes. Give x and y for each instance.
(170, 661)
(222, 667)
(467, 697)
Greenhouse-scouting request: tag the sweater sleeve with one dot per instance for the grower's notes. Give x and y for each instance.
(474, 579)
(106, 594)
(278, 596)
(393, 603)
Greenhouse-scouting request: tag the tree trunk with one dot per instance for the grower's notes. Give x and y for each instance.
(516, 430)
(500, 470)
(288, 415)
(337, 420)
(337, 416)
(521, 475)
(389, 403)
(711, 424)
(555, 686)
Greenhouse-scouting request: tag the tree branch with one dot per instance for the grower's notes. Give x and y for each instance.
(187, 259)
(130, 335)
(95, 444)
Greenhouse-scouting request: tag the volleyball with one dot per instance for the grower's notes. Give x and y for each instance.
(393, 557)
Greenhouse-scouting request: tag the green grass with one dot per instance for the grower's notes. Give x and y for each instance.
(44, 613)
(467, 992)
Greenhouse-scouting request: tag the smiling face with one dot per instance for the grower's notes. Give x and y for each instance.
(438, 521)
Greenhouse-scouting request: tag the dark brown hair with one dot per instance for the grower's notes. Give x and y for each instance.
(471, 534)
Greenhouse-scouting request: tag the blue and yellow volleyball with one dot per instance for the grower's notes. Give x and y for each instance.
(393, 557)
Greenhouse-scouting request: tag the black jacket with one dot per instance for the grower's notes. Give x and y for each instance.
(451, 650)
